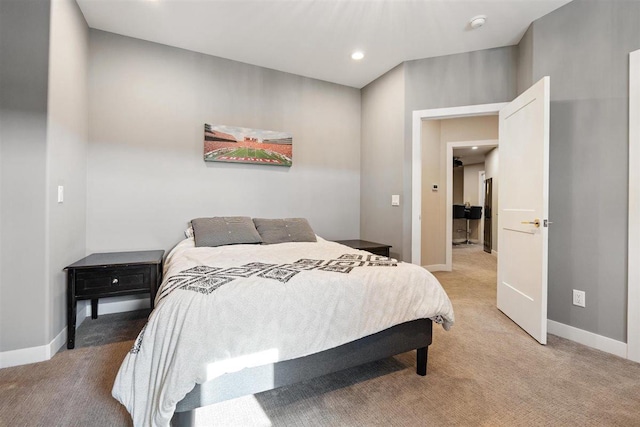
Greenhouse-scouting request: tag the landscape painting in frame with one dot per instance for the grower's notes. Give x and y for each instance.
(244, 145)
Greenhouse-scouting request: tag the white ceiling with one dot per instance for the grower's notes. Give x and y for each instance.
(470, 156)
(315, 38)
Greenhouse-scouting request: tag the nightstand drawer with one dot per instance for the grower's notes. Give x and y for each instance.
(93, 281)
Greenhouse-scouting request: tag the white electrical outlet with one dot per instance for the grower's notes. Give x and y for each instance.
(579, 298)
(395, 200)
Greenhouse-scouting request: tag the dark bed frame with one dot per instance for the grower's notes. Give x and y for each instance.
(414, 335)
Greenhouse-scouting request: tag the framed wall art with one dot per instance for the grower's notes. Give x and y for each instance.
(244, 145)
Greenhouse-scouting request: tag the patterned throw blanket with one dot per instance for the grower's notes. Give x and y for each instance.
(205, 279)
(223, 309)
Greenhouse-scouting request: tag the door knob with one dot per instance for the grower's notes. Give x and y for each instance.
(535, 222)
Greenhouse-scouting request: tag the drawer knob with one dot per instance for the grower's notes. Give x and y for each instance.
(115, 281)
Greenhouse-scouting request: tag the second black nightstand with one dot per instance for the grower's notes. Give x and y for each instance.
(110, 275)
(374, 248)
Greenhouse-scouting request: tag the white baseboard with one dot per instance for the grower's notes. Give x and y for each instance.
(57, 343)
(587, 338)
(436, 267)
(464, 242)
(494, 253)
(108, 306)
(25, 356)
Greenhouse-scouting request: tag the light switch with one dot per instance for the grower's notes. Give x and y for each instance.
(395, 200)
(60, 193)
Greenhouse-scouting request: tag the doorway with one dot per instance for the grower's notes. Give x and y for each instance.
(471, 138)
(470, 162)
(417, 178)
(523, 232)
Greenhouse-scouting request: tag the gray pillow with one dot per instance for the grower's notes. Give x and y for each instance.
(224, 230)
(284, 230)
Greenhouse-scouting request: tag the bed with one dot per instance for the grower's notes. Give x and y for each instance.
(238, 319)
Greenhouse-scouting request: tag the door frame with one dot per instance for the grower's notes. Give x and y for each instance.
(633, 299)
(416, 160)
(448, 266)
(482, 175)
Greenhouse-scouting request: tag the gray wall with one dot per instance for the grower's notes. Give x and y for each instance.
(146, 176)
(480, 77)
(68, 133)
(24, 56)
(525, 61)
(382, 151)
(584, 47)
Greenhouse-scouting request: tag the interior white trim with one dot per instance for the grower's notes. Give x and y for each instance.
(57, 343)
(416, 160)
(633, 299)
(482, 175)
(587, 338)
(108, 306)
(436, 267)
(449, 207)
(25, 356)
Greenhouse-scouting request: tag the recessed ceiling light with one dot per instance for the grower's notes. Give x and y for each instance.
(357, 55)
(474, 148)
(477, 21)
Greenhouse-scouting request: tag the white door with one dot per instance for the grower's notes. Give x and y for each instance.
(524, 208)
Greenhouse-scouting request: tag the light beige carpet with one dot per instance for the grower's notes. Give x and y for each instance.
(484, 372)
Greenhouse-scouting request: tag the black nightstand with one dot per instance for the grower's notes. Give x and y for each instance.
(110, 275)
(374, 248)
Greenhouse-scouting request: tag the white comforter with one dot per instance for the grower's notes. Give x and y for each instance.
(203, 329)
